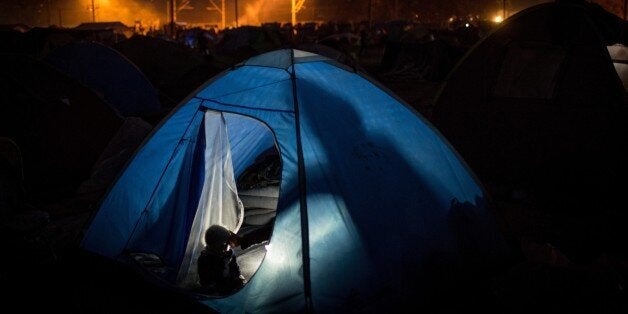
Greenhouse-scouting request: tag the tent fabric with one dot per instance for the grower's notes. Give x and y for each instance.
(219, 203)
(389, 203)
(41, 109)
(108, 72)
(173, 70)
(538, 110)
(545, 90)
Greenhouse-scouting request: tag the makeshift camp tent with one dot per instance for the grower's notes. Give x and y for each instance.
(330, 53)
(538, 111)
(61, 126)
(109, 73)
(36, 42)
(239, 44)
(173, 70)
(375, 210)
(111, 32)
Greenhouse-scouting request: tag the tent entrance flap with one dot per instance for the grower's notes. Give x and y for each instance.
(219, 202)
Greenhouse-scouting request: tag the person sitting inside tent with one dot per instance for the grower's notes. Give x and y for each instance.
(217, 266)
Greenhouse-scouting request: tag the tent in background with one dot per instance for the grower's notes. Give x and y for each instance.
(173, 70)
(109, 73)
(238, 44)
(42, 110)
(375, 211)
(539, 113)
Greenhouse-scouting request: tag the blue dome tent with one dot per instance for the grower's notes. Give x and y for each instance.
(109, 73)
(375, 209)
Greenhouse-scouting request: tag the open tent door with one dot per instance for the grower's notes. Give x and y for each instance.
(231, 145)
(219, 203)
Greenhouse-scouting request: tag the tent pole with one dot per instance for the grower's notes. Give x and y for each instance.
(305, 229)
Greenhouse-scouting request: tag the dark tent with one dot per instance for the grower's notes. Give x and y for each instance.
(36, 42)
(60, 126)
(174, 70)
(109, 73)
(110, 32)
(539, 113)
(419, 54)
(347, 43)
(239, 44)
(329, 52)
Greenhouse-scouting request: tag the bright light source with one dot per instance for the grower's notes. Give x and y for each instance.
(498, 19)
(275, 255)
(466, 25)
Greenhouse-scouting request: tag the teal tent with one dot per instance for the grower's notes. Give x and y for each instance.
(375, 209)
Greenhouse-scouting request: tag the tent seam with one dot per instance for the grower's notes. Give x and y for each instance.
(305, 241)
(242, 106)
(150, 199)
(248, 89)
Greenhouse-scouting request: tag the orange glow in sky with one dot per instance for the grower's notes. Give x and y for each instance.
(125, 11)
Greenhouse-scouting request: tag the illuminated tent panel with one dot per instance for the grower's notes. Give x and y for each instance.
(375, 209)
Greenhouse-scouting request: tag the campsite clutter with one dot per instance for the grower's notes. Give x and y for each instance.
(496, 180)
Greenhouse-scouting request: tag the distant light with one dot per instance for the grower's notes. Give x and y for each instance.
(498, 19)
(466, 25)
(451, 19)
